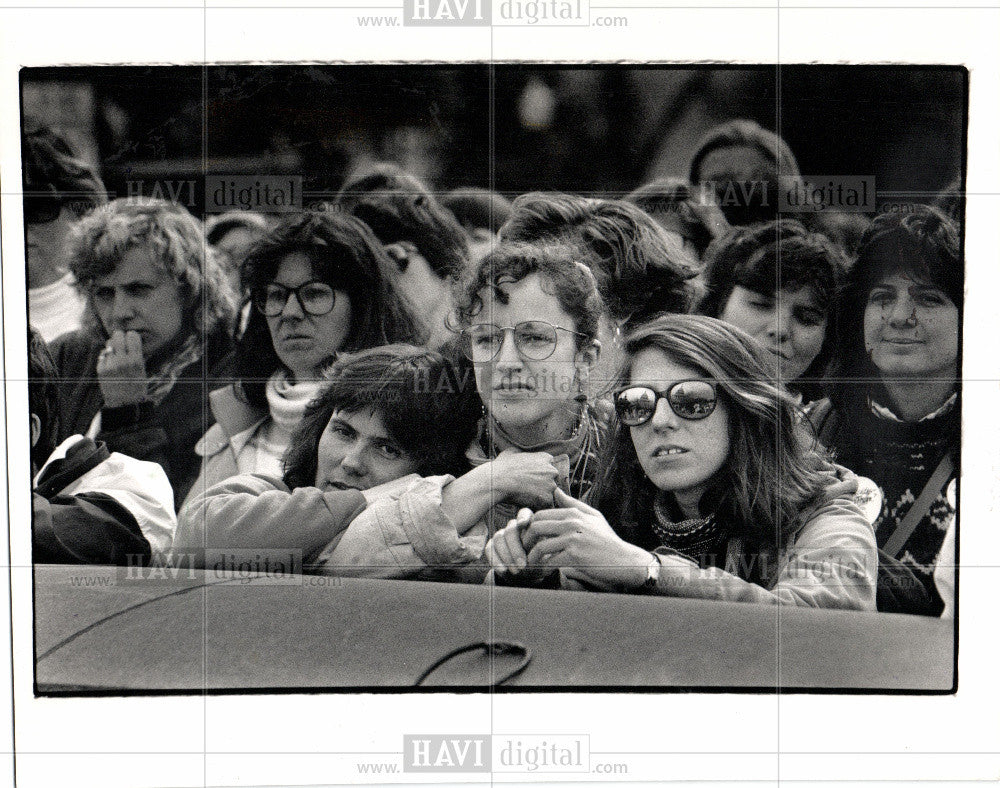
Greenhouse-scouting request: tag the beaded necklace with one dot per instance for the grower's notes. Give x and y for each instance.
(693, 537)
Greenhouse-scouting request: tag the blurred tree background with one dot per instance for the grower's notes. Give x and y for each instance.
(592, 129)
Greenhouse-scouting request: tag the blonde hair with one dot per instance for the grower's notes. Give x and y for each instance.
(175, 240)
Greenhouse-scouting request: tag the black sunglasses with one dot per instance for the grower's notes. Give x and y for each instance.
(689, 399)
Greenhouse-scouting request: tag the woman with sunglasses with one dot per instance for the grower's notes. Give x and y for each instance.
(320, 284)
(528, 322)
(713, 488)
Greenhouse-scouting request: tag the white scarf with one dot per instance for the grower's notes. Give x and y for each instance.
(287, 401)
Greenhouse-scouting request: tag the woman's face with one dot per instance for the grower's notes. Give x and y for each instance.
(792, 325)
(911, 329)
(520, 392)
(744, 182)
(140, 296)
(356, 452)
(679, 455)
(302, 341)
(47, 243)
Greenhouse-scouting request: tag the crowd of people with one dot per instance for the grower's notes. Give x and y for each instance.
(666, 393)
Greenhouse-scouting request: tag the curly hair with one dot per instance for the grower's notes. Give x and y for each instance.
(174, 237)
(347, 256)
(774, 256)
(641, 271)
(774, 469)
(920, 242)
(428, 408)
(571, 282)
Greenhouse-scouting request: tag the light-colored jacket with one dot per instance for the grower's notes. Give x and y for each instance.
(407, 535)
(236, 422)
(140, 488)
(831, 560)
(262, 514)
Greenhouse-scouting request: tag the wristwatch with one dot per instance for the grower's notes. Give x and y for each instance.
(652, 573)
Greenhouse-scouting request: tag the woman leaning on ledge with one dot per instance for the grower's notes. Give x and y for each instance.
(714, 489)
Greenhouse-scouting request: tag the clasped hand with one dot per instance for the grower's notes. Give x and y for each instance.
(121, 370)
(574, 538)
(526, 478)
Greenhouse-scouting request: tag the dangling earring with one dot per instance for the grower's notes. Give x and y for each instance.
(582, 381)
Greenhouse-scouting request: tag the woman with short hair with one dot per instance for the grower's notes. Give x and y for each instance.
(157, 328)
(528, 322)
(893, 413)
(320, 284)
(382, 419)
(781, 284)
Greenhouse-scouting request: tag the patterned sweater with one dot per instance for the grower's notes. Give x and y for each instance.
(901, 456)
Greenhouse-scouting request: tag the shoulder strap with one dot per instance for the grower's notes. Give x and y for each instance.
(824, 420)
(920, 506)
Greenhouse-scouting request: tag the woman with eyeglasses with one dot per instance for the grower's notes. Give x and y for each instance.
(320, 284)
(528, 322)
(713, 490)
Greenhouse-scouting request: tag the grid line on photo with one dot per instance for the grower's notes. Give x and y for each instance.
(492, 612)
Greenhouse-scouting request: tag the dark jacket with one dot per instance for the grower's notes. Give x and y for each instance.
(90, 506)
(166, 433)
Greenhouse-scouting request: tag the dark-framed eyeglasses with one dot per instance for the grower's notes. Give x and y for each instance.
(690, 399)
(315, 298)
(534, 339)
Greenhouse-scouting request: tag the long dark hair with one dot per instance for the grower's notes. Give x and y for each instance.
(920, 242)
(429, 410)
(346, 255)
(774, 469)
